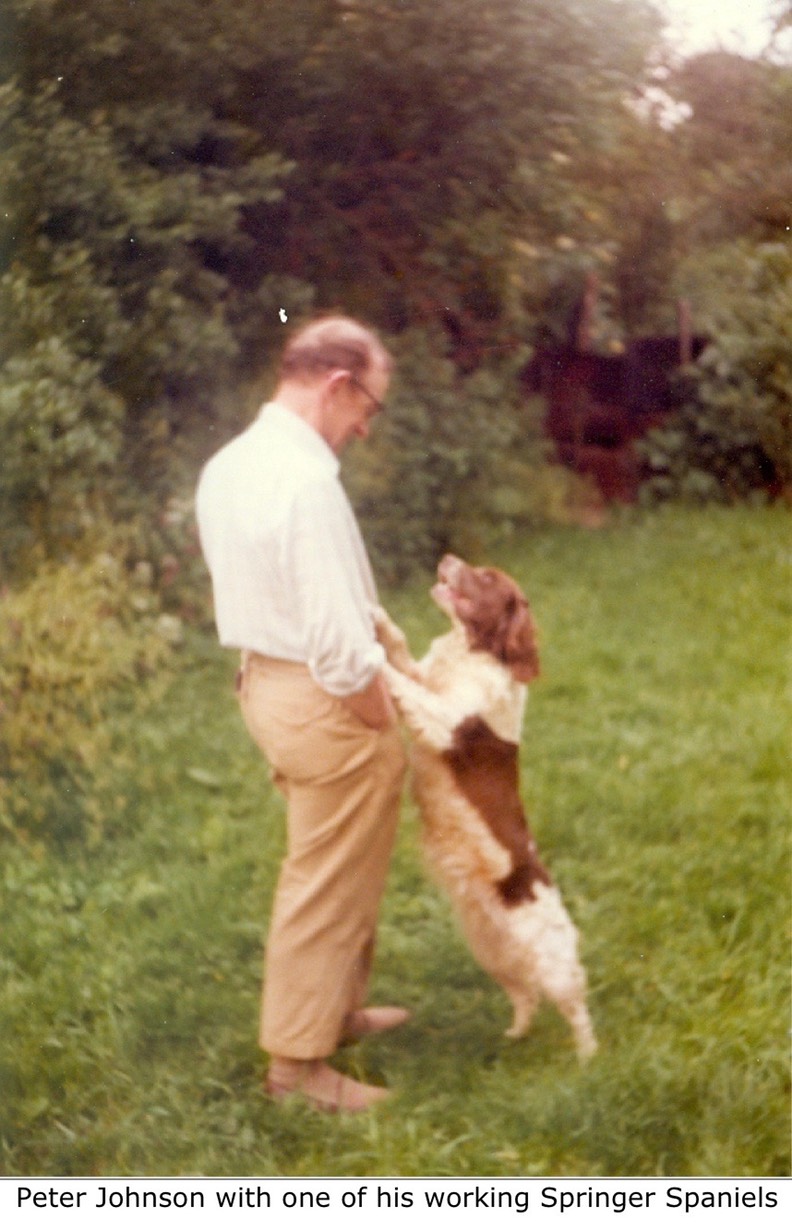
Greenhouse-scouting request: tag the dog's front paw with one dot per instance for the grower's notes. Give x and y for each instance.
(380, 616)
(388, 633)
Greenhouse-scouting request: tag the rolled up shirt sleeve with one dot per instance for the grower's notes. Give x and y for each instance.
(333, 590)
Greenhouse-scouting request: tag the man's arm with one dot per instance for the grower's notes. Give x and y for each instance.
(332, 597)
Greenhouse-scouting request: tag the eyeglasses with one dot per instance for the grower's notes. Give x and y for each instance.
(378, 405)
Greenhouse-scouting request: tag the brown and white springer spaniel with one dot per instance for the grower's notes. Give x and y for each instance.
(463, 704)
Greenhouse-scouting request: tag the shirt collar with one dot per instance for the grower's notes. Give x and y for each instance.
(302, 434)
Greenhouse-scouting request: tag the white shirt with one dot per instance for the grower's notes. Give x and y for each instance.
(290, 574)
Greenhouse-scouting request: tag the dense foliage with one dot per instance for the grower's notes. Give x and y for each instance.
(733, 434)
(112, 309)
(180, 178)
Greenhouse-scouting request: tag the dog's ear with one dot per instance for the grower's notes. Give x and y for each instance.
(520, 642)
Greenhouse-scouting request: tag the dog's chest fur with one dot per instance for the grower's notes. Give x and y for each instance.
(476, 832)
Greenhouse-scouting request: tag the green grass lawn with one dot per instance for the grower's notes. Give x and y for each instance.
(655, 762)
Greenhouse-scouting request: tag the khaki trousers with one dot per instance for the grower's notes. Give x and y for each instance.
(342, 782)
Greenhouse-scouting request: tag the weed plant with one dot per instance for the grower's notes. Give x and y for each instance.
(655, 770)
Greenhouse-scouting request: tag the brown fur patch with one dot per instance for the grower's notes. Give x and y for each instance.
(486, 771)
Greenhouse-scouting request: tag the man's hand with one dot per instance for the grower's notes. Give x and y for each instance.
(373, 705)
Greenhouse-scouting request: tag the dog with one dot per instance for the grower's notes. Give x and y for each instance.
(463, 704)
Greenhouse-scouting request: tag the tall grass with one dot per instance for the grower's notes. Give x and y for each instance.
(655, 768)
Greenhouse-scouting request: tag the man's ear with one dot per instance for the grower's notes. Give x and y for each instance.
(335, 380)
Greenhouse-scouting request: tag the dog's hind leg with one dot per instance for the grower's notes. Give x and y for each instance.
(525, 1004)
(585, 1040)
(570, 1000)
(560, 973)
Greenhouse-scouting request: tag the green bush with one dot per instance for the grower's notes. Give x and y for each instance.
(128, 296)
(704, 454)
(733, 433)
(79, 641)
(60, 423)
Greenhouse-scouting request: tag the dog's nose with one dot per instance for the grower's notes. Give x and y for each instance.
(448, 565)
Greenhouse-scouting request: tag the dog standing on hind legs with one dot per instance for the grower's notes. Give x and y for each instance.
(463, 704)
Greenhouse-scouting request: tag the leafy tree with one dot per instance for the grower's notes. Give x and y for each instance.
(128, 297)
(731, 195)
(734, 147)
(178, 176)
(423, 138)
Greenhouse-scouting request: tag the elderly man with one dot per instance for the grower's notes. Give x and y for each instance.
(293, 590)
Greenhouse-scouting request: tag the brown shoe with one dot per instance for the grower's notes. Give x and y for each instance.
(321, 1086)
(365, 1021)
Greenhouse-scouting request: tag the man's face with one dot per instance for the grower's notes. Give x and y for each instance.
(352, 404)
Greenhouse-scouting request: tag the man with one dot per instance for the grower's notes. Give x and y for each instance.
(293, 590)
